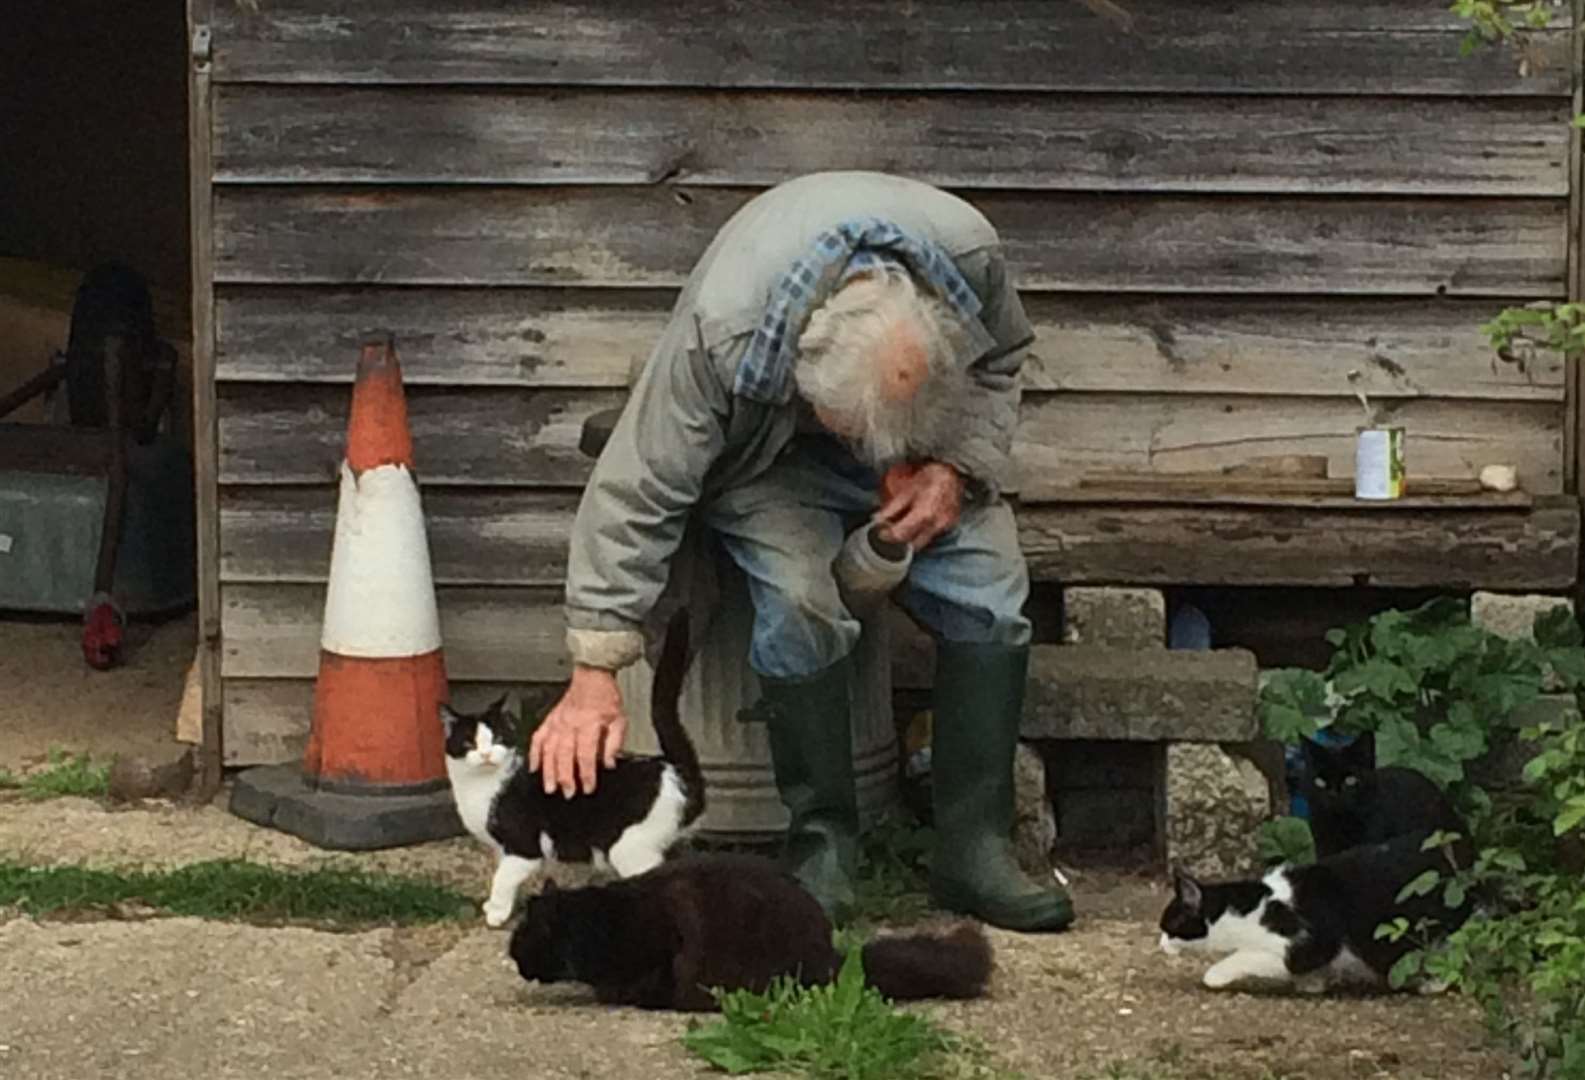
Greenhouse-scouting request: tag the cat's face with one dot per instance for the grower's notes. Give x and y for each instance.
(484, 741)
(536, 943)
(1183, 924)
(1336, 776)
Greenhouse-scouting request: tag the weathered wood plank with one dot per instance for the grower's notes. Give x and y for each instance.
(293, 434)
(267, 720)
(475, 537)
(446, 336)
(1395, 46)
(1162, 344)
(1065, 435)
(651, 236)
(1329, 145)
(272, 631)
(1304, 546)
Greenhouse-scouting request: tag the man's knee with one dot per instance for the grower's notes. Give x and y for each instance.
(801, 625)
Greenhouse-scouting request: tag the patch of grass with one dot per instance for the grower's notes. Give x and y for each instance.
(66, 774)
(233, 889)
(841, 1031)
(9, 780)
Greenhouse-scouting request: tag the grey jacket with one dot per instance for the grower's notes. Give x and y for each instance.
(684, 436)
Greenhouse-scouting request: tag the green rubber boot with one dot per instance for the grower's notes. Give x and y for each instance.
(811, 745)
(979, 698)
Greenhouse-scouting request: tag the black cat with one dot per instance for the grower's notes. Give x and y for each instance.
(1353, 803)
(661, 940)
(641, 808)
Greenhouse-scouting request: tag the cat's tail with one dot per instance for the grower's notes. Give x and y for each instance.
(914, 966)
(666, 714)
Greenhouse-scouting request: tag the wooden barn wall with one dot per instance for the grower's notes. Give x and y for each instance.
(1215, 213)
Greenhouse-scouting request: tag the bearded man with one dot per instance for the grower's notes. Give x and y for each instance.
(840, 327)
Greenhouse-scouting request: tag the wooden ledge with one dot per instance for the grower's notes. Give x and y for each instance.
(1398, 545)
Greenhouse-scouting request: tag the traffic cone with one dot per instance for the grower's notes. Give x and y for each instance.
(374, 772)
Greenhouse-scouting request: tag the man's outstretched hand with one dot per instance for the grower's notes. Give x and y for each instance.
(919, 502)
(586, 726)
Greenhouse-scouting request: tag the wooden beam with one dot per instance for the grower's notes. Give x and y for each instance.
(1369, 46)
(504, 436)
(200, 166)
(1249, 546)
(1326, 145)
(594, 338)
(516, 543)
(652, 236)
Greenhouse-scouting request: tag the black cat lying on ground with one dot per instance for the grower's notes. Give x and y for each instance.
(1353, 803)
(662, 939)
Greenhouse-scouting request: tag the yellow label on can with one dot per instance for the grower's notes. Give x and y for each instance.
(1378, 464)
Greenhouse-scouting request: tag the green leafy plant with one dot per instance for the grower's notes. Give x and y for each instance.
(844, 1030)
(1286, 840)
(1439, 692)
(1426, 682)
(1493, 21)
(67, 774)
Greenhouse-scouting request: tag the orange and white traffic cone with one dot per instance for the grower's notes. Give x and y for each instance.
(374, 772)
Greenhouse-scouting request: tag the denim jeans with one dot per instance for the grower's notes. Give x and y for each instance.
(785, 528)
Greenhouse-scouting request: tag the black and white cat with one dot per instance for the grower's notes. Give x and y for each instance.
(1312, 926)
(640, 809)
(664, 939)
(1353, 803)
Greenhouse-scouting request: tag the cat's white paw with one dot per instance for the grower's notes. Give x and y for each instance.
(1430, 987)
(1219, 978)
(495, 915)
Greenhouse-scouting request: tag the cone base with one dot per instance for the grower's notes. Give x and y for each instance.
(377, 722)
(280, 797)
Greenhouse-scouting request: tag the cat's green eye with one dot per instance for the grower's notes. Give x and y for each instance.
(1320, 782)
(1351, 781)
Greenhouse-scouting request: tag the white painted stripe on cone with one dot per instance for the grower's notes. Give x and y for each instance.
(381, 599)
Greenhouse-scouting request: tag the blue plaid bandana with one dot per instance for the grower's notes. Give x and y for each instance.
(852, 247)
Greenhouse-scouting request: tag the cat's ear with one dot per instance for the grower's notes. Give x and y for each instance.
(1187, 889)
(512, 704)
(448, 718)
(1362, 751)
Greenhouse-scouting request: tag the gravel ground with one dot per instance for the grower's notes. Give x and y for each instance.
(139, 998)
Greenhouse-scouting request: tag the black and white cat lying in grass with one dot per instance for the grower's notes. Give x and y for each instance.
(1313, 927)
(640, 809)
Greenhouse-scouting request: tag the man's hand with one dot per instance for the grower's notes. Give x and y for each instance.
(586, 724)
(920, 502)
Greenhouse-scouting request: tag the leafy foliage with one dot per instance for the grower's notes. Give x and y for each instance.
(1492, 21)
(1440, 694)
(1286, 840)
(841, 1031)
(66, 774)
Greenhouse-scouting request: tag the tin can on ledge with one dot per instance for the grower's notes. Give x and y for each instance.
(1378, 464)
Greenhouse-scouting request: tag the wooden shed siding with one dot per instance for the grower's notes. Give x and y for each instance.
(1215, 215)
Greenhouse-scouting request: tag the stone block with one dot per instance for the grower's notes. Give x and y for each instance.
(1214, 802)
(1124, 618)
(1512, 615)
(1034, 824)
(278, 797)
(1100, 692)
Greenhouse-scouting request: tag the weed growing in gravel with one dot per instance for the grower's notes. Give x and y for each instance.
(893, 878)
(841, 1031)
(233, 889)
(66, 774)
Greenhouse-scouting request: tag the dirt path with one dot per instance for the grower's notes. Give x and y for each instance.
(135, 999)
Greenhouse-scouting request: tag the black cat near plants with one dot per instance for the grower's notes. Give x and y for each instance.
(1353, 803)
